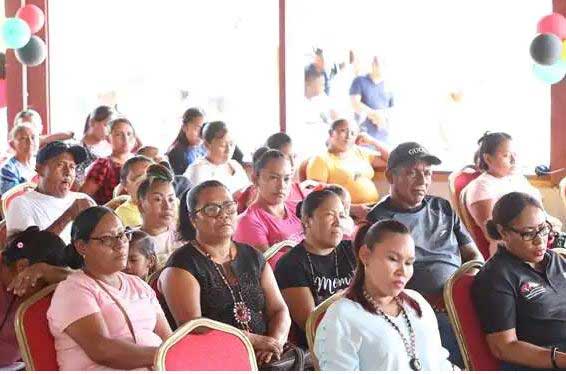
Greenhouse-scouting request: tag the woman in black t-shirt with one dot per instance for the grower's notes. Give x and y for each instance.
(321, 264)
(214, 277)
(520, 293)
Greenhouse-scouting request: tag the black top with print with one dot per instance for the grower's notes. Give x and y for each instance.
(509, 293)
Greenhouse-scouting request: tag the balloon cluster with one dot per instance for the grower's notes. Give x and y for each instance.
(17, 32)
(548, 49)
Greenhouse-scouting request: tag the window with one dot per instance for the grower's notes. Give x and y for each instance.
(156, 59)
(456, 69)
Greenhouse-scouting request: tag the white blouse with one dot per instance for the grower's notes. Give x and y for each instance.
(203, 170)
(351, 338)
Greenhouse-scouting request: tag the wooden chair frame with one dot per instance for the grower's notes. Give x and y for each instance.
(185, 329)
(452, 313)
(271, 251)
(20, 328)
(310, 327)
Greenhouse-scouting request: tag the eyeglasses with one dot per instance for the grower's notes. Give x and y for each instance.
(531, 235)
(112, 241)
(213, 210)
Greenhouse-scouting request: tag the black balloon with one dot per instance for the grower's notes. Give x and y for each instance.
(33, 53)
(546, 49)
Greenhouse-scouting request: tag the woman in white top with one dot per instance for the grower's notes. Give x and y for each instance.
(378, 325)
(497, 160)
(217, 164)
(157, 203)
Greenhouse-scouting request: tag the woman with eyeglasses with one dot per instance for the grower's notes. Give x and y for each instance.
(100, 317)
(157, 204)
(218, 163)
(271, 218)
(322, 264)
(214, 277)
(520, 293)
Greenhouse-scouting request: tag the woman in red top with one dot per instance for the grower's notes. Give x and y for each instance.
(104, 173)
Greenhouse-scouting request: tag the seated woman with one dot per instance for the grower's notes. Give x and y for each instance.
(497, 160)
(142, 260)
(32, 260)
(21, 167)
(188, 146)
(217, 278)
(378, 324)
(104, 174)
(282, 142)
(217, 164)
(320, 265)
(131, 175)
(100, 317)
(33, 117)
(271, 218)
(520, 293)
(157, 204)
(349, 165)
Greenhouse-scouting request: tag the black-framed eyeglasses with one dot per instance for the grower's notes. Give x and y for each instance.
(112, 241)
(531, 235)
(213, 210)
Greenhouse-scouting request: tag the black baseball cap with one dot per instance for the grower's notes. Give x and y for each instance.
(406, 153)
(56, 148)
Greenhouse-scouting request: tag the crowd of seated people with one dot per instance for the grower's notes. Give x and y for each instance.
(205, 247)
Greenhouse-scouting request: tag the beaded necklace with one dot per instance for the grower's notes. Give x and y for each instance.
(410, 345)
(241, 311)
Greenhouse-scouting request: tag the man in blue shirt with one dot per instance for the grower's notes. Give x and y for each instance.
(371, 100)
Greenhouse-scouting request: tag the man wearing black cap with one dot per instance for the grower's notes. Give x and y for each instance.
(442, 243)
(52, 205)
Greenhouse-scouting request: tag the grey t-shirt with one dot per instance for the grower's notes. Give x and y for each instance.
(438, 235)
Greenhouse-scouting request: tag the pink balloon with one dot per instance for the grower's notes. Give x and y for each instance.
(3, 98)
(33, 15)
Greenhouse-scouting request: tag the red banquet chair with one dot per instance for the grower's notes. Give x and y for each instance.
(465, 321)
(36, 343)
(274, 253)
(314, 320)
(214, 346)
(457, 183)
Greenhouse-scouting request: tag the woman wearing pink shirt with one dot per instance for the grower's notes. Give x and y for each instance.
(101, 318)
(271, 218)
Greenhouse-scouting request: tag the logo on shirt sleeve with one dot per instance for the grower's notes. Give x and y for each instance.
(530, 290)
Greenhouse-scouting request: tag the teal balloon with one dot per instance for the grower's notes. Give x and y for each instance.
(550, 74)
(16, 33)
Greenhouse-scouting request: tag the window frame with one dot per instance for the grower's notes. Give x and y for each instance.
(35, 82)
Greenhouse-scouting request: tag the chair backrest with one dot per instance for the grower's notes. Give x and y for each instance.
(245, 197)
(314, 320)
(213, 346)
(459, 179)
(474, 230)
(274, 253)
(152, 281)
(465, 321)
(14, 192)
(116, 201)
(3, 234)
(36, 343)
(303, 169)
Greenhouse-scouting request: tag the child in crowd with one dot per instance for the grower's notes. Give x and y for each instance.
(142, 260)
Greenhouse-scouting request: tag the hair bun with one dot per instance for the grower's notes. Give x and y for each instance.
(483, 137)
(159, 171)
(492, 231)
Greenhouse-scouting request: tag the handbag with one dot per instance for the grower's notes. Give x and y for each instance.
(128, 321)
(293, 358)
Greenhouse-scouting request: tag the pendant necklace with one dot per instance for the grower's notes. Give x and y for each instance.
(242, 313)
(410, 347)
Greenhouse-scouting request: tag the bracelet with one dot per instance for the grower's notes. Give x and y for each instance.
(553, 357)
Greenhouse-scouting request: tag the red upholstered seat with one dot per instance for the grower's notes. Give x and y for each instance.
(152, 281)
(216, 346)
(32, 330)
(465, 321)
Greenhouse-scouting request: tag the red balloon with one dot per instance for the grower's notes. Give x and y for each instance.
(33, 15)
(3, 100)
